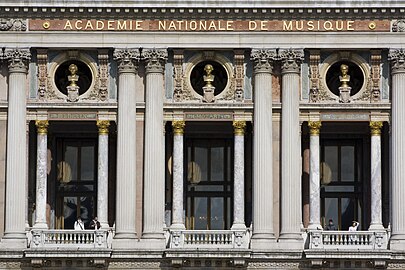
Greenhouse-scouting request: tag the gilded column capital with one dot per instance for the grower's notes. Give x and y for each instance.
(397, 58)
(314, 127)
(155, 60)
(42, 126)
(127, 59)
(263, 60)
(375, 128)
(291, 60)
(178, 127)
(103, 126)
(17, 59)
(239, 127)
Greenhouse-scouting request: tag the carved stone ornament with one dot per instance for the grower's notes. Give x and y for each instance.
(291, 60)
(398, 26)
(375, 75)
(397, 58)
(13, 25)
(155, 60)
(100, 90)
(42, 60)
(178, 58)
(263, 59)
(17, 59)
(239, 75)
(127, 59)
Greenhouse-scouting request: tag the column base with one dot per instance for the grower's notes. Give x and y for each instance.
(153, 243)
(104, 225)
(376, 227)
(315, 227)
(40, 225)
(177, 226)
(263, 241)
(153, 235)
(126, 243)
(13, 243)
(397, 242)
(291, 241)
(238, 226)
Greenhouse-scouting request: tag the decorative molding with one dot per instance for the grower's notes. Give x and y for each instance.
(314, 127)
(103, 127)
(134, 265)
(273, 265)
(42, 61)
(291, 60)
(239, 127)
(178, 127)
(178, 59)
(263, 60)
(10, 265)
(239, 60)
(17, 59)
(128, 60)
(42, 126)
(375, 75)
(13, 25)
(375, 128)
(397, 58)
(100, 90)
(155, 60)
(398, 26)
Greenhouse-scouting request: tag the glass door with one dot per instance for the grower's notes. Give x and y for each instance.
(76, 181)
(209, 184)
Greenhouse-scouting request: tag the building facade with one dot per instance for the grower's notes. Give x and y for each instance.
(202, 135)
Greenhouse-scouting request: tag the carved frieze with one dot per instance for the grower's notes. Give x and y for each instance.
(42, 61)
(239, 74)
(13, 25)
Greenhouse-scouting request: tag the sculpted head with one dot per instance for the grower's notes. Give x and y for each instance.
(208, 69)
(73, 69)
(344, 69)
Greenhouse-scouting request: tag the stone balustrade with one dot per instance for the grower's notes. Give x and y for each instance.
(345, 240)
(70, 239)
(209, 239)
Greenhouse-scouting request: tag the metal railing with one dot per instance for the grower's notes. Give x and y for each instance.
(191, 239)
(69, 239)
(348, 240)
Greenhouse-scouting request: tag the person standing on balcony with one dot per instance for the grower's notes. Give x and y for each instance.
(331, 226)
(95, 224)
(353, 238)
(79, 225)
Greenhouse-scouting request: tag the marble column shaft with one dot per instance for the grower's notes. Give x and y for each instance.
(126, 144)
(239, 176)
(178, 172)
(397, 57)
(102, 182)
(376, 206)
(16, 170)
(42, 173)
(290, 145)
(263, 146)
(314, 176)
(154, 177)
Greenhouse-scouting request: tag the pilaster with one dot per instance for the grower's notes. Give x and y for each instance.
(397, 58)
(125, 232)
(263, 232)
(290, 147)
(154, 180)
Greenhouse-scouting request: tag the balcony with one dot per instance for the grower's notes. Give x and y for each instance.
(209, 239)
(70, 239)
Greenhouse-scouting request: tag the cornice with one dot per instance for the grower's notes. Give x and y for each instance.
(97, 10)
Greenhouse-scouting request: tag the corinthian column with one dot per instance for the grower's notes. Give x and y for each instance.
(263, 233)
(397, 57)
(239, 176)
(16, 170)
(178, 171)
(314, 174)
(376, 213)
(290, 146)
(154, 181)
(42, 130)
(102, 183)
(126, 148)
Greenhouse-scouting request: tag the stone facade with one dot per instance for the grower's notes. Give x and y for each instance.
(203, 135)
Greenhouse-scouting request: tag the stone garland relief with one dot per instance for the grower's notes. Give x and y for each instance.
(13, 25)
